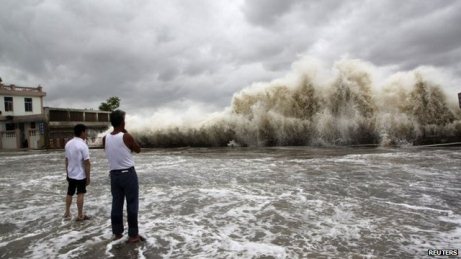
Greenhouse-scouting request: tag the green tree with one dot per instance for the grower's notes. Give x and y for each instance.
(110, 104)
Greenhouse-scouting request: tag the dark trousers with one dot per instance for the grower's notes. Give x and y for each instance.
(124, 183)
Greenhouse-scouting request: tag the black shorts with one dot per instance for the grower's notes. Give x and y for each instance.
(80, 185)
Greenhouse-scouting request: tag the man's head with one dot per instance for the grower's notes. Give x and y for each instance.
(80, 131)
(117, 118)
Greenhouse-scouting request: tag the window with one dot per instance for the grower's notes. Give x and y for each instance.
(8, 103)
(10, 126)
(32, 125)
(28, 104)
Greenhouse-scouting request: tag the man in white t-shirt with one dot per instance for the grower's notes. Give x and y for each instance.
(77, 170)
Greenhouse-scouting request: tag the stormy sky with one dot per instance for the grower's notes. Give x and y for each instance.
(166, 56)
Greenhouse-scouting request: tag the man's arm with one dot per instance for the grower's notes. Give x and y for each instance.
(131, 143)
(67, 164)
(87, 171)
(104, 142)
(86, 163)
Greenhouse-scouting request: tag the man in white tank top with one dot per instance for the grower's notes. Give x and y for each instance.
(119, 146)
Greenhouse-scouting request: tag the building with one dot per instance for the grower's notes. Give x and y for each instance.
(25, 123)
(22, 119)
(60, 124)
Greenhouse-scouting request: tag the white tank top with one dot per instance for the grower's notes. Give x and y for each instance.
(118, 154)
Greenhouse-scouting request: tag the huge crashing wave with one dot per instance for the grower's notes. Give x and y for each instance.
(312, 108)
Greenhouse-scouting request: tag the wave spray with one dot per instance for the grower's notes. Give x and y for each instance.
(315, 106)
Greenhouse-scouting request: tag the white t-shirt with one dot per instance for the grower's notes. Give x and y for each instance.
(77, 151)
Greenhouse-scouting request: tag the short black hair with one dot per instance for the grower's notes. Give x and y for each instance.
(117, 117)
(78, 129)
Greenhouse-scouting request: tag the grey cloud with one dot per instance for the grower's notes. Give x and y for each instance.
(288, 30)
(153, 53)
(270, 13)
(424, 38)
(407, 34)
(265, 12)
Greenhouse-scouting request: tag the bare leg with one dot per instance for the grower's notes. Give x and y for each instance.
(80, 205)
(68, 203)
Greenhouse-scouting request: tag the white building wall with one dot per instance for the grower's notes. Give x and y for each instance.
(34, 138)
(37, 105)
(2, 104)
(9, 140)
(19, 106)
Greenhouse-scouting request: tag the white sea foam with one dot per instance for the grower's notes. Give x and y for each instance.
(251, 249)
(280, 203)
(412, 207)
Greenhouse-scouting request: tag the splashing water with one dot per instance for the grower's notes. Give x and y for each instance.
(281, 203)
(345, 108)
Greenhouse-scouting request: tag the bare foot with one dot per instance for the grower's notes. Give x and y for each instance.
(85, 217)
(67, 216)
(117, 237)
(135, 239)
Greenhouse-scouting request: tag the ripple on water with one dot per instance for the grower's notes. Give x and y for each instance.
(260, 204)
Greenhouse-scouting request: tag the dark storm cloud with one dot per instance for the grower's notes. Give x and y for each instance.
(266, 12)
(411, 34)
(154, 53)
(52, 41)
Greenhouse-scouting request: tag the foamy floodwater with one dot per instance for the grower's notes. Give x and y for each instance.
(243, 203)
